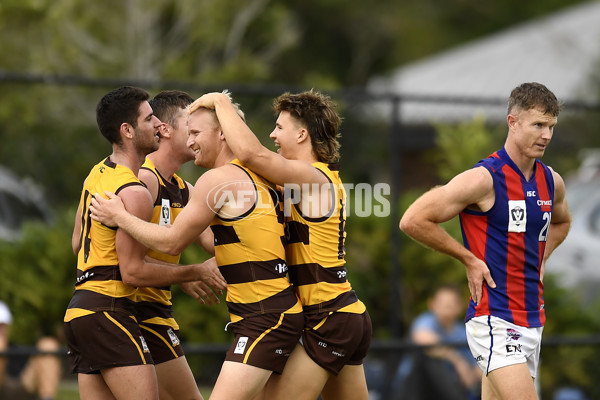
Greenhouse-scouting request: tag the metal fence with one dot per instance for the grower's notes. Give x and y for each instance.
(405, 121)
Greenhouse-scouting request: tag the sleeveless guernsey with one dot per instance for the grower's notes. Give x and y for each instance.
(250, 254)
(511, 239)
(154, 303)
(99, 286)
(315, 253)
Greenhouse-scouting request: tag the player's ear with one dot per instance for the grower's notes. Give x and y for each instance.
(302, 135)
(511, 120)
(126, 130)
(164, 130)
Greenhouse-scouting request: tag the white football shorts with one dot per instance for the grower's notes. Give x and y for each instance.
(496, 343)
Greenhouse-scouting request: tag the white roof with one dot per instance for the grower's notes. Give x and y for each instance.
(561, 51)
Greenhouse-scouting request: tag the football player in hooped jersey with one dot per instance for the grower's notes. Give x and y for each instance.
(170, 194)
(242, 210)
(105, 344)
(513, 214)
(337, 328)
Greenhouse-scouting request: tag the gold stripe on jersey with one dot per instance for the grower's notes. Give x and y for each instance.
(99, 286)
(315, 253)
(284, 302)
(320, 292)
(162, 296)
(254, 292)
(250, 254)
(107, 288)
(162, 321)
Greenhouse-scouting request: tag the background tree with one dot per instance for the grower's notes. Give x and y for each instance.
(65, 54)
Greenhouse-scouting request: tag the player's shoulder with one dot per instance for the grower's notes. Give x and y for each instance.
(146, 174)
(150, 180)
(476, 176)
(134, 192)
(224, 173)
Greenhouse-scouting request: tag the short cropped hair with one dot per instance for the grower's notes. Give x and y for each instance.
(236, 106)
(317, 113)
(117, 107)
(168, 103)
(533, 95)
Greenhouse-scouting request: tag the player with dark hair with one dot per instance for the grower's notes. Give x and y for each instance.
(106, 347)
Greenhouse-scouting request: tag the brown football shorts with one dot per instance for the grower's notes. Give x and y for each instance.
(265, 341)
(337, 339)
(105, 339)
(163, 342)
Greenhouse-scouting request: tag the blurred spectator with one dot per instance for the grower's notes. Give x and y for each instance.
(40, 376)
(5, 321)
(439, 372)
(569, 393)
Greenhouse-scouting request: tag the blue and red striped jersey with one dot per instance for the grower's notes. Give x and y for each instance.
(511, 239)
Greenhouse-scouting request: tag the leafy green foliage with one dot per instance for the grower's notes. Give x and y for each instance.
(38, 277)
(199, 323)
(48, 131)
(460, 146)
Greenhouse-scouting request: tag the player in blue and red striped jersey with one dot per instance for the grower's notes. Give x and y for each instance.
(513, 214)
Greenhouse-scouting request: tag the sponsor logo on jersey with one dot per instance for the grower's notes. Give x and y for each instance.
(84, 277)
(512, 349)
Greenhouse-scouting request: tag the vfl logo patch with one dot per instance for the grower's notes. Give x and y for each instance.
(145, 348)
(517, 216)
(165, 212)
(173, 337)
(240, 347)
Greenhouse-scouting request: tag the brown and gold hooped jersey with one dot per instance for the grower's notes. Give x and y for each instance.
(99, 286)
(172, 197)
(315, 253)
(250, 254)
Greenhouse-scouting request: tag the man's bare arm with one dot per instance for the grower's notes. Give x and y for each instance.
(191, 221)
(561, 220)
(250, 151)
(135, 270)
(422, 220)
(76, 237)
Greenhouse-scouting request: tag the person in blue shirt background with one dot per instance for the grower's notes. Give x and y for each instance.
(447, 371)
